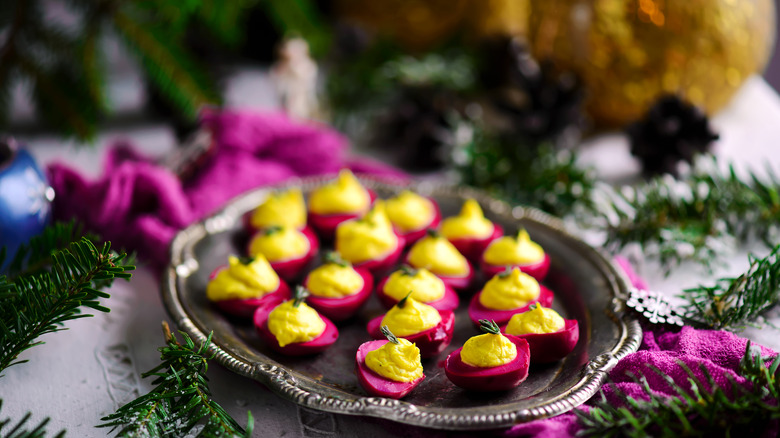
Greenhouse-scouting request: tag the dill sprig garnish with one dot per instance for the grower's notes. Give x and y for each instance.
(389, 335)
(489, 326)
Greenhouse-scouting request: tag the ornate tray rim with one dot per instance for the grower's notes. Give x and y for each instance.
(280, 381)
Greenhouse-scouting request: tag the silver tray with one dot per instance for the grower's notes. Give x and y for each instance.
(587, 287)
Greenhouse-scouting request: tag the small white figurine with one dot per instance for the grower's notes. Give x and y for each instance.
(295, 77)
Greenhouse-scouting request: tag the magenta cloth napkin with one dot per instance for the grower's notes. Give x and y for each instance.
(720, 352)
(140, 205)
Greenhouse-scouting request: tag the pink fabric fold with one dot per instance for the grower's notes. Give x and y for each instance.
(140, 205)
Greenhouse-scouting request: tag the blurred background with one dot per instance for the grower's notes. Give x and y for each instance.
(72, 68)
(463, 85)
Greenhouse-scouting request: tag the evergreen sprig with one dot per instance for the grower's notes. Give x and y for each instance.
(370, 85)
(300, 18)
(62, 278)
(736, 302)
(698, 217)
(705, 409)
(180, 402)
(35, 255)
(525, 172)
(22, 428)
(65, 66)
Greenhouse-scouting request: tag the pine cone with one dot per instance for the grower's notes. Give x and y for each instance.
(349, 41)
(673, 130)
(540, 101)
(418, 129)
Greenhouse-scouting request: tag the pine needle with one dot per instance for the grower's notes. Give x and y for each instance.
(21, 428)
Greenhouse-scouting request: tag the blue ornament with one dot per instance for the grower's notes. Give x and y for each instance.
(25, 199)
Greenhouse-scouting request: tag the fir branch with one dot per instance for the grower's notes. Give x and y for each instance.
(35, 255)
(20, 429)
(180, 400)
(735, 302)
(370, 85)
(695, 218)
(65, 67)
(93, 60)
(172, 70)
(735, 410)
(300, 18)
(524, 172)
(220, 18)
(61, 96)
(39, 303)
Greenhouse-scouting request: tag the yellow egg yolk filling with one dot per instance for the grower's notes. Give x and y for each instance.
(285, 209)
(291, 324)
(243, 281)
(279, 244)
(410, 317)
(398, 362)
(345, 195)
(409, 211)
(439, 256)
(425, 286)
(537, 320)
(368, 238)
(518, 250)
(334, 281)
(505, 292)
(469, 223)
(488, 350)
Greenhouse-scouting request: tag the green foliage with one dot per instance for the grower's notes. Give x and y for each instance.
(64, 66)
(706, 409)
(366, 85)
(41, 54)
(523, 172)
(735, 302)
(181, 399)
(21, 429)
(300, 18)
(697, 217)
(176, 74)
(50, 281)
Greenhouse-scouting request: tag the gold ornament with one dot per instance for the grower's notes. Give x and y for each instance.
(628, 52)
(497, 18)
(419, 25)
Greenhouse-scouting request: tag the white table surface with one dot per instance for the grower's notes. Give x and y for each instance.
(88, 371)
